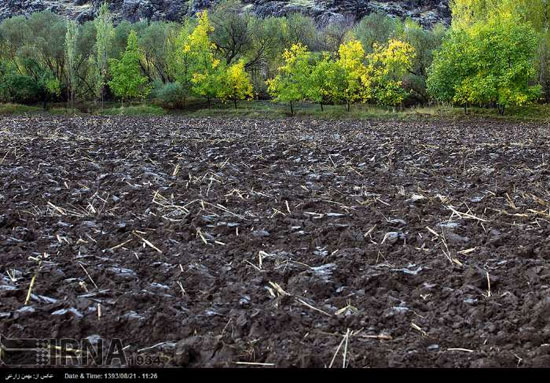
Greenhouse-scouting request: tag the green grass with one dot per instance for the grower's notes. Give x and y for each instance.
(21, 110)
(133, 110)
(16, 109)
(267, 109)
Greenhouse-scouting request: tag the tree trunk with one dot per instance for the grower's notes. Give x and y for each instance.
(349, 106)
(235, 102)
(322, 110)
(291, 109)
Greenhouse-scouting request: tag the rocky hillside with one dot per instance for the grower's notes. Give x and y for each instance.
(427, 12)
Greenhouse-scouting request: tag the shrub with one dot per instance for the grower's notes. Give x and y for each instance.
(170, 95)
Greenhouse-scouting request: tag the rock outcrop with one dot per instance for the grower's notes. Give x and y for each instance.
(426, 12)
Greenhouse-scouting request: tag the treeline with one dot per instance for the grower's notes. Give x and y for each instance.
(496, 54)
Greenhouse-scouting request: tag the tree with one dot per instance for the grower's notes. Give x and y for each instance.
(104, 34)
(488, 63)
(327, 82)
(265, 53)
(290, 84)
(155, 41)
(207, 70)
(536, 12)
(351, 58)
(236, 84)
(425, 42)
(34, 45)
(180, 60)
(334, 34)
(387, 66)
(48, 32)
(16, 87)
(70, 54)
(30, 83)
(231, 32)
(375, 28)
(128, 81)
(299, 29)
(15, 33)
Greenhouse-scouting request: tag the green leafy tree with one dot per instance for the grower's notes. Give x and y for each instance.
(155, 41)
(30, 83)
(16, 87)
(535, 12)
(193, 59)
(265, 54)
(207, 69)
(231, 32)
(299, 29)
(334, 34)
(15, 33)
(70, 54)
(375, 28)
(86, 70)
(128, 82)
(290, 84)
(488, 63)
(425, 42)
(327, 82)
(181, 59)
(104, 35)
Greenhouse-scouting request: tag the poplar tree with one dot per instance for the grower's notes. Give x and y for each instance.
(104, 34)
(207, 69)
(128, 82)
(70, 53)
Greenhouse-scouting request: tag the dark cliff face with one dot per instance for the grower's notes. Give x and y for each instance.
(427, 12)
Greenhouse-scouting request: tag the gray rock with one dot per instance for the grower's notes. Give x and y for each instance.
(26, 309)
(426, 12)
(393, 236)
(456, 239)
(122, 272)
(261, 233)
(71, 310)
(449, 225)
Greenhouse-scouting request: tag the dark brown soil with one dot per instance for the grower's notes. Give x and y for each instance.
(210, 242)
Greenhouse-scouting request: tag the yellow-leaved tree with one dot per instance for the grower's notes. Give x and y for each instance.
(351, 58)
(236, 84)
(386, 67)
(193, 60)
